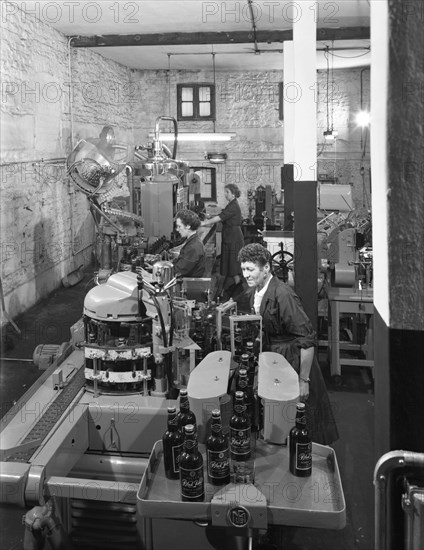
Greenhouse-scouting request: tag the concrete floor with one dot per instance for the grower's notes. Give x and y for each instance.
(352, 401)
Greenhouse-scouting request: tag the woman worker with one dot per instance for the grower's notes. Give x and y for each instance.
(288, 331)
(232, 237)
(191, 260)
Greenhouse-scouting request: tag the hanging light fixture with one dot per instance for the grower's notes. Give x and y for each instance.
(329, 134)
(216, 157)
(197, 136)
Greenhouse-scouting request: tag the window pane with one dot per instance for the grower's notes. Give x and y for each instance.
(187, 94)
(204, 93)
(187, 109)
(204, 109)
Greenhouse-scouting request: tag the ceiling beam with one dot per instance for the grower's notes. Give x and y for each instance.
(191, 38)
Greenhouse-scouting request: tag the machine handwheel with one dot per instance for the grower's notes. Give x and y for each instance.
(282, 263)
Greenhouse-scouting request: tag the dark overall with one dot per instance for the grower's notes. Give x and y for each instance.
(287, 329)
(232, 239)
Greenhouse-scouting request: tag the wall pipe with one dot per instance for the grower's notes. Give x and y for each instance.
(387, 465)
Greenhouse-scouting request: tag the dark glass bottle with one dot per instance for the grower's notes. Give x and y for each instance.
(217, 452)
(300, 445)
(245, 364)
(172, 445)
(240, 447)
(185, 415)
(191, 468)
(125, 264)
(242, 384)
(238, 341)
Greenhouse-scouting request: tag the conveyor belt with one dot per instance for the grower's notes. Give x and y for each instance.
(49, 418)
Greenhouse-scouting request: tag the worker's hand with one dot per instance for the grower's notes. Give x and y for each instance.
(304, 390)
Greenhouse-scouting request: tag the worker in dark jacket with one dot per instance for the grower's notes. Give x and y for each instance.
(288, 330)
(232, 238)
(191, 260)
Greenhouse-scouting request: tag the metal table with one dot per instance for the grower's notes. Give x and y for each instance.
(276, 498)
(360, 302)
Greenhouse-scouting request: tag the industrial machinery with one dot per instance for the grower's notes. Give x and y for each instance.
(345, 252)
(78, 449)
(133, 201)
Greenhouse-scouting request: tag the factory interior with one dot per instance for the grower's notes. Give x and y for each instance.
(117, 116)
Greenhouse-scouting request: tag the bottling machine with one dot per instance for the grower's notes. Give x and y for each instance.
(80, 452)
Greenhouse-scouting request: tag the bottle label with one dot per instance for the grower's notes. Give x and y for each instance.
(218, 464)
(240, 441)
(239, 409)
(192, 484)
(176, 452)
(303, 456)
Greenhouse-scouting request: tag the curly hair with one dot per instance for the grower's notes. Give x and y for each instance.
(255, 253)
(189, 218)
(234, 189)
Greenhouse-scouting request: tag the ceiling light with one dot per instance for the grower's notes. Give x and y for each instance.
(196, 136)
(216, 158)
(363, 119)
(330, 135)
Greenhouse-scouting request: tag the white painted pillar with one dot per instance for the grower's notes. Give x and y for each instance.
(305, 76)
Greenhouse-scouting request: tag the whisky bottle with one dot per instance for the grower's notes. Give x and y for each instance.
(217, 453)
(172, 441)
(240, 445)
(300, 445)
(185, 415)
(191, 468)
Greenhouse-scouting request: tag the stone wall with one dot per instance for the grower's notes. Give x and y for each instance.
(53, 95)
(46, 229)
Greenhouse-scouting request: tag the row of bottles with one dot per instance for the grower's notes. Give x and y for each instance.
(182, 458)
(184, 461)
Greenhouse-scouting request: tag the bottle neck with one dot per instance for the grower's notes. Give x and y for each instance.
(172, 422)
(301, 419)
(184, 403)
(190, 444)
(239, 406)
(216, 426)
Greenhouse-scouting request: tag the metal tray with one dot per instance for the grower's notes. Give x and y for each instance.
(317, 501)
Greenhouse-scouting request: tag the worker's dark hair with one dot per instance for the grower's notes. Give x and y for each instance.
(189, 218)
(255, 253)
(234, 189)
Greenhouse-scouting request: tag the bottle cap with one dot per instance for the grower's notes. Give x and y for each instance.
(171, 410)
(183, 392)
(245, 357)
(216, 412)
(300, 406)
(243, 372)
(239, 395)
(189, 428)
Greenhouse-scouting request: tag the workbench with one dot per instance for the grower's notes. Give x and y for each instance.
(344, 301)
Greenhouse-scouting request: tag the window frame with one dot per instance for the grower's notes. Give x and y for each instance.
(196, 103)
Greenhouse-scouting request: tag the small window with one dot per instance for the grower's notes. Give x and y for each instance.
(195, 102)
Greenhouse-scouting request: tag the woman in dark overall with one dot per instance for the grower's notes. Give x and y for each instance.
(232, 237)
(287, 330)
(191, 261)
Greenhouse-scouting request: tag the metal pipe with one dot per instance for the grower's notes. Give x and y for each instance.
(385, 467)
(130, 181)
